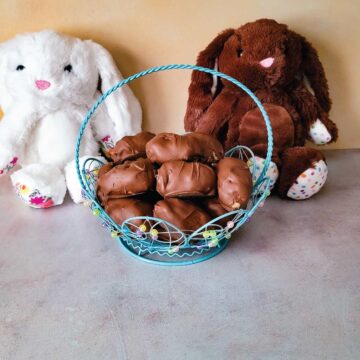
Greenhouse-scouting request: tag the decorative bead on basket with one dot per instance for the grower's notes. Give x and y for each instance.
(181, 247)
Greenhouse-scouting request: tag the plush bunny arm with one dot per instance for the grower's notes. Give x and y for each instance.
(197, 104)
(218, 113)
(319, 128)
(306, 105)
(14, 128)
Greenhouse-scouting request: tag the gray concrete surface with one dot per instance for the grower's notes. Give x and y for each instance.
(287, 287)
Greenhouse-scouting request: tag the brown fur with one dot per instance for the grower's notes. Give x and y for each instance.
(292, 107)
(295, 161)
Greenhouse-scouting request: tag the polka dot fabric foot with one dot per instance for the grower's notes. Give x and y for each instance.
(272, 172)
(309, 182)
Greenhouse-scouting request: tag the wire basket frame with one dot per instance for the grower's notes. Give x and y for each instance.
(156, 240)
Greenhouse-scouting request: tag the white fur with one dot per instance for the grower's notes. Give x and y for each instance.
(41, 126)
(72, 178)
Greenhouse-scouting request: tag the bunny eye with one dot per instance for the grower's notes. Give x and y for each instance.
(239, 52)
(68, 68)
(20, 68)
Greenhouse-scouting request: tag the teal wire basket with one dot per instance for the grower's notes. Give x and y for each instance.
(158, 241)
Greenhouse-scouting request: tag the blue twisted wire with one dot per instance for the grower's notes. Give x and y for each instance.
(176, 67)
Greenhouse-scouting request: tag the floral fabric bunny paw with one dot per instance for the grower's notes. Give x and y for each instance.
(33, 197)
(107, 143)
(7, 160)
(7, 168)
(39, 186)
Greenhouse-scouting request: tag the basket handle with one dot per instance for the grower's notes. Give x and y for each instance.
(176, 67)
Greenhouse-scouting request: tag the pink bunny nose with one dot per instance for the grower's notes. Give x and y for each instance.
(267, 62)
(42, 84)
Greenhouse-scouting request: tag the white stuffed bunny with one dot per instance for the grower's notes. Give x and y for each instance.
(48, 82)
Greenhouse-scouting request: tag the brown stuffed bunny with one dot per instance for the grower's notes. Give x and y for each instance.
(275, 63)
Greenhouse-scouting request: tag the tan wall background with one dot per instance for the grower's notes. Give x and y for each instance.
(145, 33)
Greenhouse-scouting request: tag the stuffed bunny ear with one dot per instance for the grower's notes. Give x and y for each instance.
(122, 106)
(5, 98)
(203, 87)
(314, 71)
(1, 70)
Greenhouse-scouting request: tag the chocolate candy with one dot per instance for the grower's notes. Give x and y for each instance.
(189, 147)
(234, 183)
(130, 147)
(182, 179)
(213, 207)
(183, 214)
(128, 179)
(123, 209)
(105, 168)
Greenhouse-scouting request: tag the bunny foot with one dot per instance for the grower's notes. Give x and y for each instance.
(39, 186)
(304, 173)
(272, 172)
(93, 165)
(309, 182)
